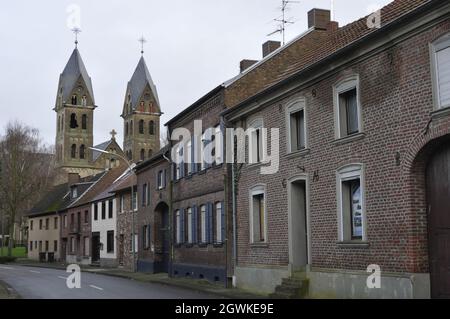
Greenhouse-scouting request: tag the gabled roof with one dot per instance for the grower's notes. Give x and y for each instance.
(72, 72)
(103, 146)
(139, 81)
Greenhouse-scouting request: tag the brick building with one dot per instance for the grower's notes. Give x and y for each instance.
(362, 116)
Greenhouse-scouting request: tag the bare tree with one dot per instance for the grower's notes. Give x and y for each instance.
(27, 171)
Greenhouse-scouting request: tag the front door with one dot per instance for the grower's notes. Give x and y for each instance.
(298, 234)
(165, 234)
(438, 197)
(95, 247)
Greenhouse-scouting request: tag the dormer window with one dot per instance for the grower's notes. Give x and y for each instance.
(74, 100)
(74, 192)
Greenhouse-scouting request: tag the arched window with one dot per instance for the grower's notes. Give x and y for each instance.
(84, 100)
(141, 127)
(84, 122)
(131, 127)
(142, 154)
(74, 100)
(150, 153)
(151, 128)
(82, 151)
(126, 129)
(73, 152)
(73, 121)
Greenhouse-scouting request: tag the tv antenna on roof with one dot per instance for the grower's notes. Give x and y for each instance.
(283, 20)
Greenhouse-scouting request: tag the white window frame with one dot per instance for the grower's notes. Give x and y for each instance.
(189, 228)
(254, 126)
(341, 87)
(218, 212)
(255, 191)
(293, 107)
(203, 223)
(178, 226)
(348, 173)
(440, 44)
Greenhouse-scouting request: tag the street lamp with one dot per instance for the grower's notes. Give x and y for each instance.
(131, 201)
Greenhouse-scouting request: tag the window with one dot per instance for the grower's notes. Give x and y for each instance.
(146, 236)
(47, 223)
(296, 126)
(110, 209)
(40, 224)
(110, 241)
(351, 204)
(31, 225)
(126, 129)
(73, 151)
(144, 195)
(35, 244)
(151, 128)
(150, 153)
(220, 221)
(131, 127)
(82, 152)
(65, 221)
(440, 56)
(84, 122)
(122, 203)
(84, 100)
(141, 127)
(55, 246)
(218, 147)
(73, 121)
(46, 246)
(95, 211)
(103, 210)
(162, 179)
(74, 192)
(135, 243)
(258, 216)
(142, 154)
(347, 107)
(190, 236)
(135, 200)
(256, 142)
(31, 246)
(86, 217)
(72, 244)
(203, 231)
(179, 164)
(178, 226)
(55, 223)
(86, 246)
(74, 100)
(40, 246)
(189, 157)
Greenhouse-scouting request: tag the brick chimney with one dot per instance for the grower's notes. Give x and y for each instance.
(319, 19)
(269, 47)
(73, 178)
(245, 64)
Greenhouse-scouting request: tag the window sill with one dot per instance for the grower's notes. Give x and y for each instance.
(353, 244)
(299, 153)
(442, 112)
(350, 138)
(218, 245)
(259, 245)
(202, 245)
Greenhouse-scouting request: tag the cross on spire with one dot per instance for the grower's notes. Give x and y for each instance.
(76, 31)
(113, 134)
(142, 40)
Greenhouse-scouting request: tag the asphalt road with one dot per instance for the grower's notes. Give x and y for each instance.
(43, 283)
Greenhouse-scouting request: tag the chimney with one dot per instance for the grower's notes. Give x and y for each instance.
(245, 64)
(319, 19)
(269, 47)
(73, 178)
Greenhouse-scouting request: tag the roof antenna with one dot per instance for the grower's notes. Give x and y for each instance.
(76, 31)
(283, 20)
(142, 40)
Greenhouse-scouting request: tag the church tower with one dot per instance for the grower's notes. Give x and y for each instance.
(74, 109)
(141, 114)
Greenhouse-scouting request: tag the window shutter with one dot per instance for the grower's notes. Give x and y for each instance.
(209, 223)
(194, 224)
(222, 216)
(443, 63)
(182, 226)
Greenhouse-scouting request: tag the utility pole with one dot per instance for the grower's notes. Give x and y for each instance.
(283, 21)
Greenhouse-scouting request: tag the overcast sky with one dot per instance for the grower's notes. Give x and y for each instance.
(193, 46)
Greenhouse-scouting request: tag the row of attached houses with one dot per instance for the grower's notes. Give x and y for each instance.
(342, 170)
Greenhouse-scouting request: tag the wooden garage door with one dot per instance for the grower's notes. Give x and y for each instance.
(438, 195)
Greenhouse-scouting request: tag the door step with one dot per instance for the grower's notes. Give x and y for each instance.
(292, 288)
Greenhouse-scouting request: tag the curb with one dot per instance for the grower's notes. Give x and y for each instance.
(190, 286)
(12, 294)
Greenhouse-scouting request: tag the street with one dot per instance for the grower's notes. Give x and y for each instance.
(43, 283)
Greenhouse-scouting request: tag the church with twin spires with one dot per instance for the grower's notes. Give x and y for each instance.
(75, 107)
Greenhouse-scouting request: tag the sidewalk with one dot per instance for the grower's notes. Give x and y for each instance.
(7, 292)
(163, 279)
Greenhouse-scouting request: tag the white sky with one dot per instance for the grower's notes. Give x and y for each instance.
(193, 46)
